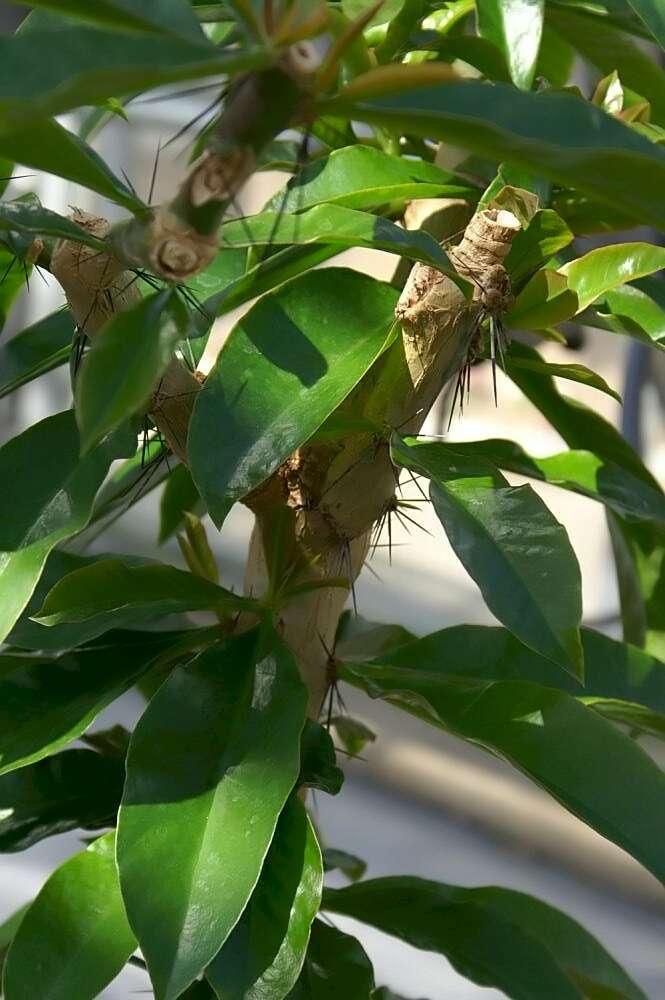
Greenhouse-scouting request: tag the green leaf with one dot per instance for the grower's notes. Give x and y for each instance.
(121, 594)
(47, 146)
(336, 966)
(544, 237)
(47, 496)
(8, 931)
(600, 271)
(161, 17)
(265, 952)
(600, 41)
(13, 280)
(545, 300)
(516, 27)
(179, 497)
(353, 734)
(556, 135)
(546, 734)
(575, 373)
(318, 768)
(46, 704)
(634, 310)
(653, 15)
(357, 637)
(128, 357)
(336, 225)
(74, 939)
(639, 551)
(577, 424)
(36, 350)
(210, 766)
(287, 365)
(87, 66)
(30, 217)
(351, 866)
(598, 478)
(73, 790)
(614, 671)
(511, 545)
(367, 179)
(495, 937)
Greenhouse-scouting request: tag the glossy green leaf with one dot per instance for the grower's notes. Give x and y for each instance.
(180, 496)
(127, 358)
(614, 671)
(545, 300)
(639, 551)
(265, 952)
(14, 279)
(336, 225)
(495, 937)
(36, 350)
(47, 146)
(600, 271)
(75, 938)
(511, 545)
(209, 769)
(47, 496)
(161, 17)
(574, 373)
(600, 41)
(350, 865)
(582, 471)
(516, 27)
(287, 365)
(545, 236)
(73, 790)
(48, 703)
(318, 768)
(127, 594)
(653, 15)
(336, 966)
(546, 734)
(556, 135)
(635, 310)
(8, 929)
(367, 179)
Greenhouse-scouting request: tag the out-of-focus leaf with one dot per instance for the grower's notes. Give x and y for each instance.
(350, 865)
(653, 15)
(210, 766)
(125, 594)
(358, 637)
(39, 349)
(180, 495)
(46, 704)
(337, 225)
(127, 358)
(607, 47)
(511, 545)
(171, 17)
(46, 497)
(47, 146)
(28, 216)
(367, 179)
(556, 135)
(318, 767)
(353, 734)
(74, 939)
(635, 310)
(286, 366)
(265, 952)
(336, 966)
(639, 551)
(495, 937)
(516, 27)
(73, 790)
(606, 268)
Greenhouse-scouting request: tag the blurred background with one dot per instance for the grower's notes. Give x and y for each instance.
(418, 802)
